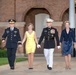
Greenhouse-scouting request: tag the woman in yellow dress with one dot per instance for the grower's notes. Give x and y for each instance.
(30, 46)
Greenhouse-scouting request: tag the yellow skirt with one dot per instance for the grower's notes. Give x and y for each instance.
(30, 47)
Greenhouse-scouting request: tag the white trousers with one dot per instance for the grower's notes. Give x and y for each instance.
(48, 53)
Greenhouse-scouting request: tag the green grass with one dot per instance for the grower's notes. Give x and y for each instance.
(4, 61)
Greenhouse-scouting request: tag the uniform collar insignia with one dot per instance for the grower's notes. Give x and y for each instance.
(7, 31)
(15, 31)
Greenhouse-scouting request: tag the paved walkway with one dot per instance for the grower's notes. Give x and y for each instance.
(40, 68)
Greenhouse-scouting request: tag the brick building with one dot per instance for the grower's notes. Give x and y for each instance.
(35, 11)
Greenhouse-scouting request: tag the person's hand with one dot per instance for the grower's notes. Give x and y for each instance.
(38, 46)
(3, 41)
(60, 43)
(75, 45)
(20, 45)
(58, 47)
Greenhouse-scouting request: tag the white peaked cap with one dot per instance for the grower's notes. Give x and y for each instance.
(49, 20)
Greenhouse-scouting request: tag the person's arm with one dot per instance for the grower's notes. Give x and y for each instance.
(36, 38)
(61, 37)
(38, 46)
(41, 37)
(4, 36)
(19, 38)
(57, 37)
(24, 39)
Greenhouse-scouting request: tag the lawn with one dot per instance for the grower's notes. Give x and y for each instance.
(4, 61)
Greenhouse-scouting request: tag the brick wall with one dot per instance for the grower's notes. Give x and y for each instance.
(18, 8)
(6, 10)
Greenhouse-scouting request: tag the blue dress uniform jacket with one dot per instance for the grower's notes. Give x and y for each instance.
(13, 37)
(48, 36)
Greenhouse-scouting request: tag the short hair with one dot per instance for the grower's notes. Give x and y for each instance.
(67, 22)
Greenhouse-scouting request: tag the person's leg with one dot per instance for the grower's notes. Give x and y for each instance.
(51, 57)
(29, 60)
(9, 53)
(13, 57)
(66, 61)
(46, 56)
(32, 59)
(69, 61)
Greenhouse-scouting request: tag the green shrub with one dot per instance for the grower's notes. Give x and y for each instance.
(0, 43)
(3, 53)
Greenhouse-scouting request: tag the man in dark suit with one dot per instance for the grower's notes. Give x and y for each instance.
(49, 34)
(13, 40)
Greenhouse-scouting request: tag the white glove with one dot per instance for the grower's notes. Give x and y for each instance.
(38, 46)
(58, 47)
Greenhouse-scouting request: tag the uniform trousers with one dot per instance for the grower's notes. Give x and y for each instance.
(48, 53)
(11, 54)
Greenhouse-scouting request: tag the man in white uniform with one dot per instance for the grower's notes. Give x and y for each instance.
(49, 34)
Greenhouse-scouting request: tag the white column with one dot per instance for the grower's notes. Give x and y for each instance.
(72, 13)
(72, 18)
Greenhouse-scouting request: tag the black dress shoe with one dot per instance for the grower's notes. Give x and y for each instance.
(47, 66)
(30, 68)
(50, 68)
(12, 68)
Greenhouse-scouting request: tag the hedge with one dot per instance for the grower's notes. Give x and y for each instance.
(3, 53)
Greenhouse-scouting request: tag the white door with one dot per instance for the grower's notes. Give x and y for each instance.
(40, 23)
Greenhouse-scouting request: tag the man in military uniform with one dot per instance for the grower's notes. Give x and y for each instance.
(13, 39)
(49, 33)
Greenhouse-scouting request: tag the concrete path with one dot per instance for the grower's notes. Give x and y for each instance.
(40, 68)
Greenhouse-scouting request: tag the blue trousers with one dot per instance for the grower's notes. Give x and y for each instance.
(11, 54)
